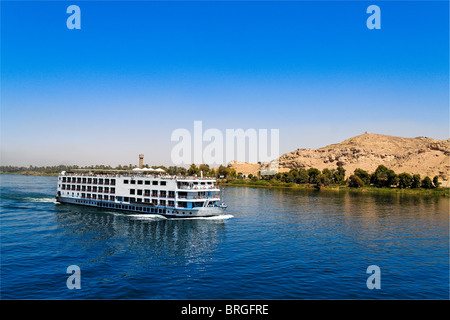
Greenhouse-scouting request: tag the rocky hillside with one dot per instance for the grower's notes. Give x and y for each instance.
(425, 156)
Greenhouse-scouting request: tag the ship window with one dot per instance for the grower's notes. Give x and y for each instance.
(133, 181)
(155, 183)
(163, 183)
(147, 182)
(132, 191)
(139, 192)
(125, 181)
(139, 181)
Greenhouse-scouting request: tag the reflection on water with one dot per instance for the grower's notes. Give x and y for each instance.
(103, 234)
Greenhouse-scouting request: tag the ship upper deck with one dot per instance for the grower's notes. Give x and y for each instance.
(132, 174)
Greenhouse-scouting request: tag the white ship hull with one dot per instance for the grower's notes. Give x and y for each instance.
(144, 209)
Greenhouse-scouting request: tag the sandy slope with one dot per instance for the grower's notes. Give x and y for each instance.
(425, 156)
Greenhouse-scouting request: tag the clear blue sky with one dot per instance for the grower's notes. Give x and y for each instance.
(137, 71)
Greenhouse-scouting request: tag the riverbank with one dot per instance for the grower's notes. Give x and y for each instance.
(369, 189)
(30, 173)
(276, 184)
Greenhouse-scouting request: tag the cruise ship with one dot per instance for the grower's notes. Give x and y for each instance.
(141, 190)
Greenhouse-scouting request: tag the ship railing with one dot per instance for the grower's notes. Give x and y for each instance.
(126, 173)
(197, 187)
(198, 197)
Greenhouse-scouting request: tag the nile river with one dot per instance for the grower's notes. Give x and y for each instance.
(272, 244)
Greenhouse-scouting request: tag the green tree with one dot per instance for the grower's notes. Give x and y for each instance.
(193, 170)
(355, 182)
(392, 178)
(223, 171)
(287, 177)
(204, 168)
(384, 177)
(363, 175)
(427, 183)
(416, 181)
(313, 174)
(339, 175)
(232, 173)
(328, 175)
(294, 173)
(323, 180)
(436, 182)
(303, 176)
(405, 180)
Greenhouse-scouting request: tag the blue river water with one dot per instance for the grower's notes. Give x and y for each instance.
(271, 244)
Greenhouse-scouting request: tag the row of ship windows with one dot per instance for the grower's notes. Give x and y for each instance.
(88, 180)
(147, 182)
(154, 193)
(88, 188)
(126, 199)
(128, 207)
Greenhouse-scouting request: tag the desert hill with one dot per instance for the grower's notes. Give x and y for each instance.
(425, 156)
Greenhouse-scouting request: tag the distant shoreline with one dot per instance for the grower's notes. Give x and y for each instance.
(442, 191)
(30, 174)
(366, 189)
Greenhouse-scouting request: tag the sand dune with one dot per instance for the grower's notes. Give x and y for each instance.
(425, 156)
